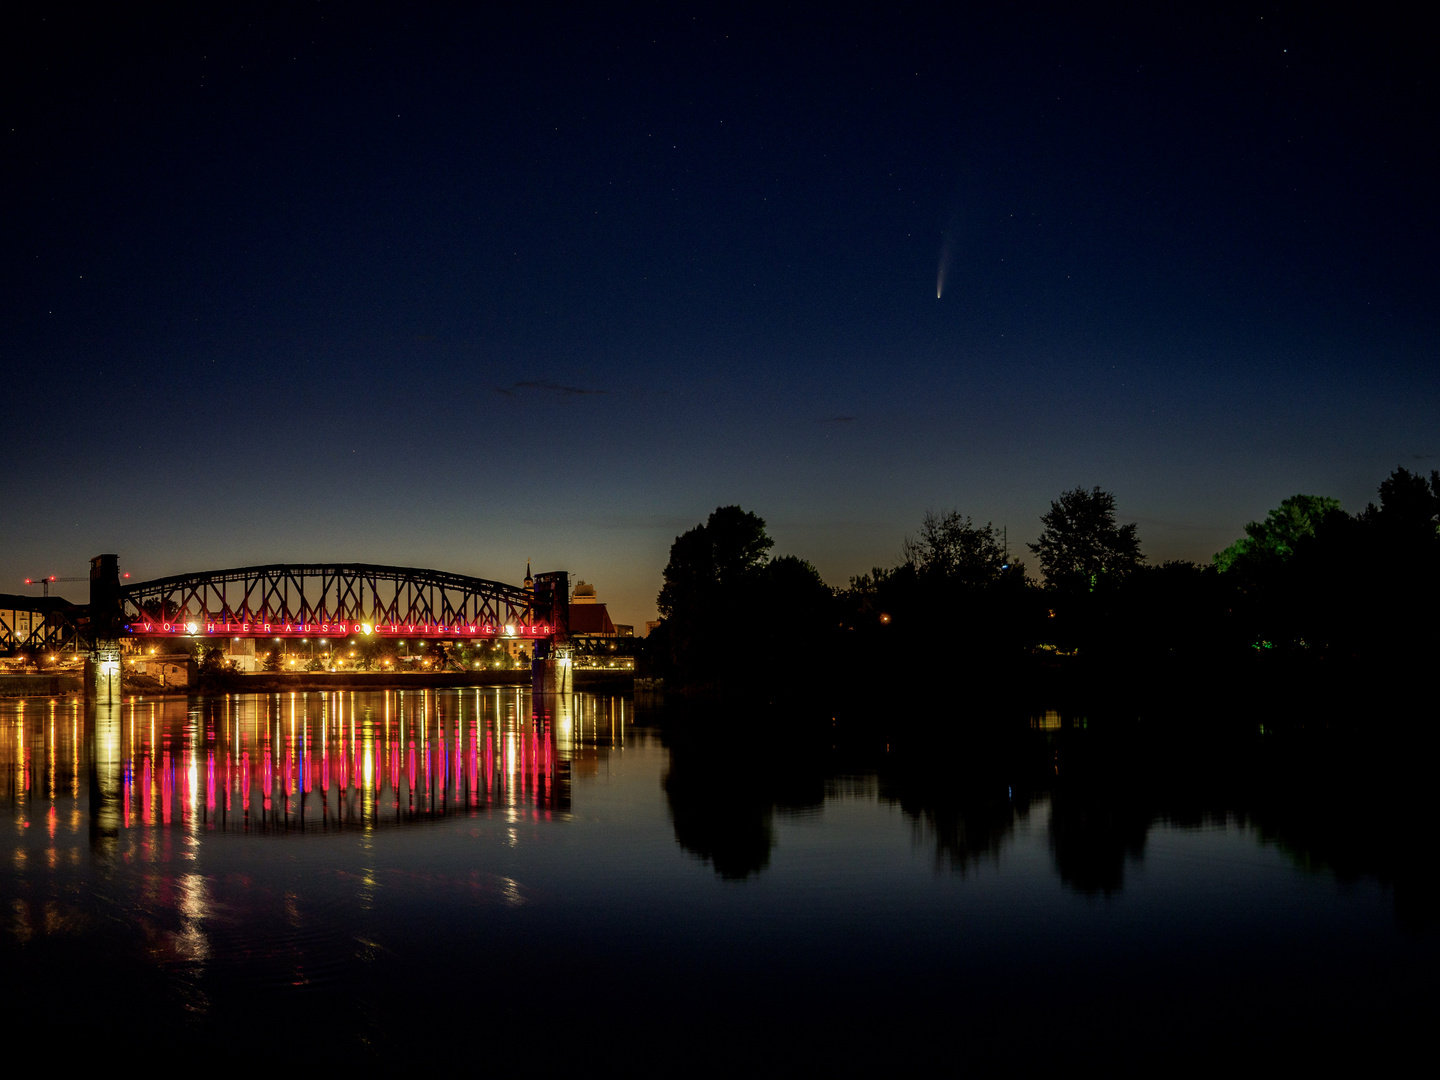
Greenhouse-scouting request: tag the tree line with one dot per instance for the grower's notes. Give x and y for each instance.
(1310, 585)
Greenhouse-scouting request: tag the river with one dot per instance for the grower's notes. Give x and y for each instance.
(295, 880)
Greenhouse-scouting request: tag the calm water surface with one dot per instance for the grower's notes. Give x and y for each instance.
(437, 876)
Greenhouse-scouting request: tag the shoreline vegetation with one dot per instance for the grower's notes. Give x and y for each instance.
(1314, 615)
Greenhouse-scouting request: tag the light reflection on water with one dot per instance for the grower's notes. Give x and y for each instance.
(302, 761)
(387, 860)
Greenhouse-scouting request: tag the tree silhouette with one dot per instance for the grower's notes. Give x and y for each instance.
(1081, 541)
(723, 553)
(1408, 508)
(1275, 538)
(713, 576)
(952, 548)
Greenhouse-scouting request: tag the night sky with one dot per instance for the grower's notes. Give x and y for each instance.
(452, 290)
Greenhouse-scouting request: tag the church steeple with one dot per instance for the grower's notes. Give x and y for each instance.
(529, 581)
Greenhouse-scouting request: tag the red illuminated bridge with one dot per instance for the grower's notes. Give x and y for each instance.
(343, 599)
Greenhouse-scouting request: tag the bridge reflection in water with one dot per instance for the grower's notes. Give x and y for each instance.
(301, 761)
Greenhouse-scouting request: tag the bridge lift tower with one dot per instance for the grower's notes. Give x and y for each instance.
(102, 666)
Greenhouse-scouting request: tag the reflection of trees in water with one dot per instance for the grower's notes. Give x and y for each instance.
(1093, 833)
(965, 793)
(1351, 806)
(968, 796)
(723, 795)
(969, 829)
(1336, 802)
(729, 828)
(1354, 807)
(723, 806)
(1100, 805)
(968, 817)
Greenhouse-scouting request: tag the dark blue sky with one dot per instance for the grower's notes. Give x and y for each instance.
(347, 281)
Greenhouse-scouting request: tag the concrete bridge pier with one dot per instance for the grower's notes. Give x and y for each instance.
(551, 672)
(102, 666)
(102, 672)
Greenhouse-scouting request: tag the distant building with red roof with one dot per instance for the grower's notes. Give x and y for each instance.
(589, 616)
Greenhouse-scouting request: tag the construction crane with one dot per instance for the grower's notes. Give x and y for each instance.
(45, 581)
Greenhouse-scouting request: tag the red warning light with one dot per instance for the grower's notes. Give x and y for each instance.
(127, 575)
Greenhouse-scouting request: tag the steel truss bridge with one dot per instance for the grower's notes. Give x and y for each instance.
(31, 624)
(304, 600)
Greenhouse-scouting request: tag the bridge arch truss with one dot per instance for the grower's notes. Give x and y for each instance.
(339, 598)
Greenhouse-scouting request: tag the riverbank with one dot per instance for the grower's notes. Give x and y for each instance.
(45, 685)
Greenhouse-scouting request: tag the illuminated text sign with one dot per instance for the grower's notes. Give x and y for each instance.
(262, 628)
